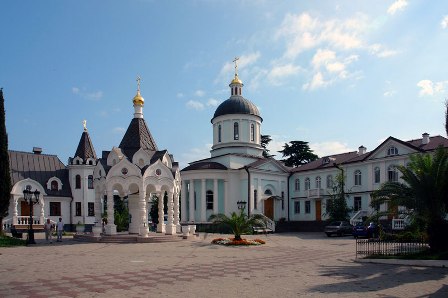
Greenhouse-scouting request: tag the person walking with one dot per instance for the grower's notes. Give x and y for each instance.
(48, 227)
(60, 229)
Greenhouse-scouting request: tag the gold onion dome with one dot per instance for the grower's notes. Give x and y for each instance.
(138, 99)
(236, 80)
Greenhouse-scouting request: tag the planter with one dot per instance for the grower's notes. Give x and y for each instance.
(185, 231)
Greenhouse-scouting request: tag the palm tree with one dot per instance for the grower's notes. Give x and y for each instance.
(238, 223)
(425, 191)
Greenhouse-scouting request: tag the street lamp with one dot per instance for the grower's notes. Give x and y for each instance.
(28, 196)
(241, 205)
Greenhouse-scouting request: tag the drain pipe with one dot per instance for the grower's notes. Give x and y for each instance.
(287, 183)
(248, 190)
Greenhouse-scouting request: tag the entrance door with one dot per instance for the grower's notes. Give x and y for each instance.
(24, 209)
(319, 210)
(269, 208)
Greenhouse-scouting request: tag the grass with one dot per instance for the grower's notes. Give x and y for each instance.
(6, 241)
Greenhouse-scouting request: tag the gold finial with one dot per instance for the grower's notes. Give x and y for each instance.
(138, 82)
(84, 123)
(236, 65)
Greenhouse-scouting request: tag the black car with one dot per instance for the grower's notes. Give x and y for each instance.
(339, 228)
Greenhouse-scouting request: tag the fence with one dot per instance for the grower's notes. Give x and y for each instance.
(377, 247)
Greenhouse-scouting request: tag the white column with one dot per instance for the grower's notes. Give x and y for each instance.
(42, 210)
(176, 210)
(111, 228)
(15, 202)
(161, 224)
(191, 200)
(144, 231)
(215, 196)
(203, 202)
(170, 227)
(184, 201)
(98, 218)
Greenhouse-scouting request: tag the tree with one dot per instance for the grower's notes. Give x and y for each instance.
(446, 117)
(5, 178)
(265, 140)
(239, 223)
(336, 207)
(297, 153)
(121, 214)
(424, 191)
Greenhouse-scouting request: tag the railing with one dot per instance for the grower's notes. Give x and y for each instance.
(25, 220)
(7, 224)
(314, 193)
(270, 224)
(377, 247)
(358, 217)
(398, 224)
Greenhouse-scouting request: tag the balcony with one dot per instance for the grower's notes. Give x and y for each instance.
(314, 193)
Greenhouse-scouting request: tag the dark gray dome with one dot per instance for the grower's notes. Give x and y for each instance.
(236, 105)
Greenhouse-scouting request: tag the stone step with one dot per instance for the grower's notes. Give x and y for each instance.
(127, 238)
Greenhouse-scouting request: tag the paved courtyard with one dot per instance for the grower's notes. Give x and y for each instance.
(289, 265)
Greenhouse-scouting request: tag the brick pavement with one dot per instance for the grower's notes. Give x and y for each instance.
(289, 265)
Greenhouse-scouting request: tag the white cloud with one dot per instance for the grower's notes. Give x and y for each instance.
(119, 130)
(244, 61)
(91, 95)
(381, 51)
(278, 73)
(389, 93)
(430, 88)
(196, 105)
(195, 154)
(396, 6)
(329, 148)
(317, 82)
(212, 102)
(444, 22)
(199, 93)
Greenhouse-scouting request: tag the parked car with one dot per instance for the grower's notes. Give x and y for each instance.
(360, 230)
(339, 228)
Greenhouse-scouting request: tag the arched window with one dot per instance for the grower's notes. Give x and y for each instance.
(392, 151)
(297, 184)
(252, 132)
(54, 185)
(78, 182)
(318, 182)
(219, 133)
(209, 199)
(236, 91)
(268, 192)
(307, 183)
(236, 134)
(392, 174)
(376, 173)
(90, 181)
(357, 177)
(329, 181)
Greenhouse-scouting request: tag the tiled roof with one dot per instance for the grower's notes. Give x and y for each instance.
(85, 148)
(137, 136)
(39, 167)
(434, 142)
(332, 159)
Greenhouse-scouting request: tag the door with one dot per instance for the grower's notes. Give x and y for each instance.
(318, 210)
(269, 208)
(24, 209)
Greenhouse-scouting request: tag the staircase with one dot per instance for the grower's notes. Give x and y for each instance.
(267, 229)
(358, 217)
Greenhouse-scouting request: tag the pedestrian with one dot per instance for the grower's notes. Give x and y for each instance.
(48, 227)
(60, 229)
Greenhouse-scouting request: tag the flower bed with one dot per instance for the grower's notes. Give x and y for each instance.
(232, 241)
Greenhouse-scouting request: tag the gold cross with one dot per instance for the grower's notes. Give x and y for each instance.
(138, 82)
(236, 65)
(84, 123)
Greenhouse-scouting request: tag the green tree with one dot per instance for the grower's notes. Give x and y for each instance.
(297, 153)
(336, 207)
(424, 191)
(5, 178)
(121, 214)
(265, 140)
(239, 223)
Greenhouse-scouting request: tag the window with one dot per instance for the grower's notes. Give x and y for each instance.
(307, 183)
(252, 133)
(357, 177)
(268, 192)
(219, 133)
(376, 174)
(392, 151)
(90, 181)
(283, 200)
(78, 182)
(297, 185)
(91, 209)
(318, 180)
(357, 204)
(235, 131)
(209, 199)
(307, 206)
(392, 174)
(55, 208)
(297, 207)
(54, 185)
(329, 181)
(255, 199)
(78, 209)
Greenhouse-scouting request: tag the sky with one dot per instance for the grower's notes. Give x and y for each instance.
(336, 74)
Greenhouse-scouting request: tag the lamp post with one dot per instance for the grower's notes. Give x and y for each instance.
(241, 205)
(28, 196)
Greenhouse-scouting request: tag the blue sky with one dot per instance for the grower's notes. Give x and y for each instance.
(337, 74)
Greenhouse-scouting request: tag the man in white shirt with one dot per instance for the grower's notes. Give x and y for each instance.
(60, 229)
